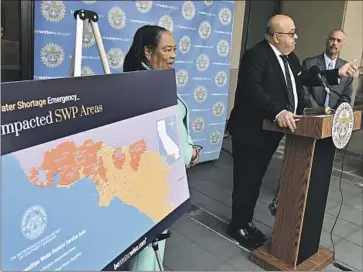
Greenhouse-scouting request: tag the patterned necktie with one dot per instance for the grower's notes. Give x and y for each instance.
(290, 92)
(327, 98)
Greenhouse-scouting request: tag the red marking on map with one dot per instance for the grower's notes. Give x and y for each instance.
(72, 163)
(68, 159)
(136, 149)
(119, 158)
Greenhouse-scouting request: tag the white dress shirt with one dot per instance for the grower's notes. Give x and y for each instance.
(281, 62)
(329, 63)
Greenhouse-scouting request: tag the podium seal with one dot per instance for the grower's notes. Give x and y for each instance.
(342, 125)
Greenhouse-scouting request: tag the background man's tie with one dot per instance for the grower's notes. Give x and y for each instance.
(327, 98)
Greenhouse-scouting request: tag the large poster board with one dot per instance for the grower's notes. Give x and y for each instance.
(91, 169)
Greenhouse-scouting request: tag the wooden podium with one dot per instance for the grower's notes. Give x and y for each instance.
(301, 201)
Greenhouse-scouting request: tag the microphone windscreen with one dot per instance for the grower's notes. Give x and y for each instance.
(314, 70)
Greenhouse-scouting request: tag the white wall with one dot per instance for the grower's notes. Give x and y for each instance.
(313, 20)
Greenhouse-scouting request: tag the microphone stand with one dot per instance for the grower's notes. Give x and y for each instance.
(326, 85)
(322, 110)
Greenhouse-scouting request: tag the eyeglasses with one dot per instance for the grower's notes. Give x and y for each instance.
(291, 34)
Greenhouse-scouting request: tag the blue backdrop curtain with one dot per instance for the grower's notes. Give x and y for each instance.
(202, 29)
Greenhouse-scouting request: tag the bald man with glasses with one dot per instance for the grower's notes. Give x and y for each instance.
(269, 86)
(328, 60)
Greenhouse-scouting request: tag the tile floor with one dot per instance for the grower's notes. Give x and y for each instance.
(199, 242)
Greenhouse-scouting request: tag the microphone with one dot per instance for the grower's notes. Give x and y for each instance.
(315, 71)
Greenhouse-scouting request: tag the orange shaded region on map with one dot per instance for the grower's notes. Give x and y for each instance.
(133, 174)
(119, 158)
(87, 158)
(136, 150)
(68, 160)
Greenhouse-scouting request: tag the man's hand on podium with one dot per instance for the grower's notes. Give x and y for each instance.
(287, 119)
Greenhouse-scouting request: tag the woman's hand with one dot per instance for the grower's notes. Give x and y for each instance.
(195, 157)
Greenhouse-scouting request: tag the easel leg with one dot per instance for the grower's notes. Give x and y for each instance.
(101, 49)
(83, 18)
(155, 246)
(165, 235)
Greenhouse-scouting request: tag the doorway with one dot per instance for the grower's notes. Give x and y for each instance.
(257, 13)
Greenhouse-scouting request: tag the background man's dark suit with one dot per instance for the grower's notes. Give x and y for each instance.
(318, 94)
(261, 93)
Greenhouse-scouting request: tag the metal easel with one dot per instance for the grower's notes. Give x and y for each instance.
(83, 18)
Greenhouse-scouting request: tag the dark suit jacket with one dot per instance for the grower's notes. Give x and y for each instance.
(317, 94)
(262, 93)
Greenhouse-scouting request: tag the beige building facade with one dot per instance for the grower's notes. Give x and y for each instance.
(314, 20)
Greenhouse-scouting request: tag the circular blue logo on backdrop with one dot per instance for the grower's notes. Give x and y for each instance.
(221, 79)
(202, 62)
(218, 108)
(182, 78)
(166, 21)
(144, 6)
(88, 37)
(188, 10)
(225, 16)
(198, 125)
(52, 55)
(215, 137)
(117, 18)
(205, 30)
(115, 58)
(200, 94)
(87, 71)
(208, 3)
(185, 44)
(223, 48)
(53, 11)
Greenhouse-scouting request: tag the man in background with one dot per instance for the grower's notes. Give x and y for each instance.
(327, 61)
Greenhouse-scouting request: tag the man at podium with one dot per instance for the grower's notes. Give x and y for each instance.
(269, 86)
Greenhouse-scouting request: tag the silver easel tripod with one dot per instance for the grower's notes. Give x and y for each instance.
(83, 18)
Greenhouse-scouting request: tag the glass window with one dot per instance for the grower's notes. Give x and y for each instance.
(10, 40)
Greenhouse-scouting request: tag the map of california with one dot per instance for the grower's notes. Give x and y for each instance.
(133, 174)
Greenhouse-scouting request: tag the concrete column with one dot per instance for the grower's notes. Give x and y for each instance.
(239, 12)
